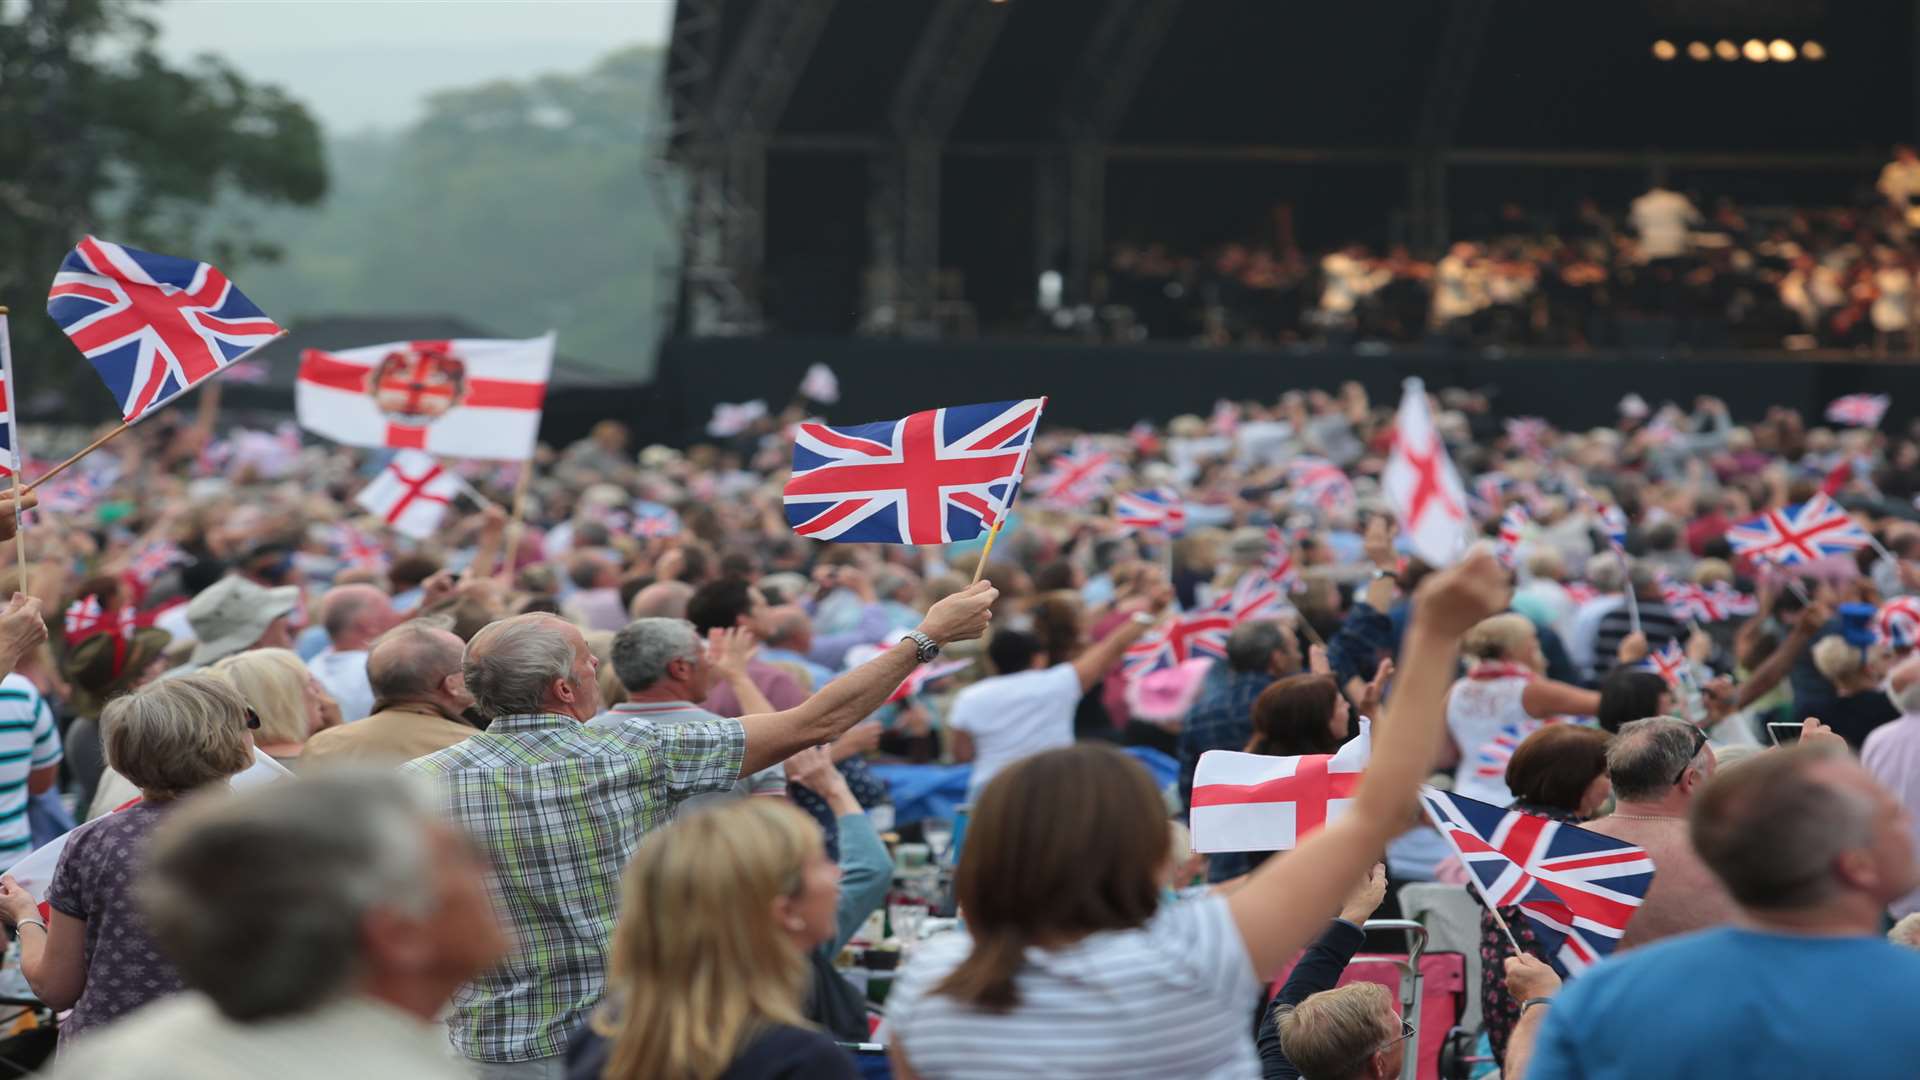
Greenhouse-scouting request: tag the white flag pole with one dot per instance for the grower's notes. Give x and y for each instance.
(19, 453)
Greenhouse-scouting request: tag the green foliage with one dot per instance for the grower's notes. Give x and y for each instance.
(521, 207)
(99, 134)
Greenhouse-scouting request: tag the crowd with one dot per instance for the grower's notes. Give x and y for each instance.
(1667, 270)
(612, 795)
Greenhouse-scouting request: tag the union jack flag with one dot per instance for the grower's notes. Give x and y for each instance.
(1613, 524)
(1490, 761)
(1256, 596)
(1670, 660)
(919, 678)
(1897, 623)
(1577, 889)
(1081, 474)
(153, 325)
(1318, 482)
(1279, 562)
(1490, 494)
(1513, 524)
(1805, 533)
(1528, 434)
(354, 547)
(152, 559)
(1700, 603)
(651, 519)
(1158, 508)
(1181, 638)
(11, 455)
(931, 478)
(71, 493)
(1859, 410)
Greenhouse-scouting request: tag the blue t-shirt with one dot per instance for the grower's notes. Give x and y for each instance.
(1738, 1004)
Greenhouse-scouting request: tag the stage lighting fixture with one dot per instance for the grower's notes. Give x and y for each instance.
(1664, 50)
(1726, 50)
(1781, 50)
(1813, 50)
(1755, 50)
(1698, 50)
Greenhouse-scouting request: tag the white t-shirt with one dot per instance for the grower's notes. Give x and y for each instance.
(344, 674)
(1015, 716)
(1662, 217)
(1171, 998)
(1487, 720)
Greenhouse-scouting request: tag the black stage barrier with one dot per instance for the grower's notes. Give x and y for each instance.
(1112, 386)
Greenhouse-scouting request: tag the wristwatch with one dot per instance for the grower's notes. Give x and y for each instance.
(1531, 1002)
(1145, 618)
(924, 647)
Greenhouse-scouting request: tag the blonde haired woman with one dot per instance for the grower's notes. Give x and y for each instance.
(1502, 699)
(290, 702)
(708, 965)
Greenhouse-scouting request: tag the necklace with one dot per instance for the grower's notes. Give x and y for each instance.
(1647, 817)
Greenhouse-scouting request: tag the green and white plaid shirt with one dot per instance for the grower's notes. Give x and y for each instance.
(559, 807)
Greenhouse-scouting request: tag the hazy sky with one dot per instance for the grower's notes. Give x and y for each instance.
(362, 64)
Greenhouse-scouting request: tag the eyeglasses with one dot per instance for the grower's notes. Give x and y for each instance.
(253, 719)
(1699, 744)
(1407, 1031)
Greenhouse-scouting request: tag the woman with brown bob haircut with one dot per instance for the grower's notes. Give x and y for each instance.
(1074, 962)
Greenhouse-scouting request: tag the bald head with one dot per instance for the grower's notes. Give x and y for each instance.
(413, 661)
(662, 600)
(788, 627)
(353, 615)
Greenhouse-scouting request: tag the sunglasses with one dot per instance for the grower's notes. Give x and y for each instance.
(1699, 743)
(253, 719)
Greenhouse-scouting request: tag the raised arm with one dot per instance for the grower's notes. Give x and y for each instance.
(851, 698)
(1780, 661)
(1104, 655)
(1288, 901)
(729, 649)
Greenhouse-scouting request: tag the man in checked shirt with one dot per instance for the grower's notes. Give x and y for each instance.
(560, 806)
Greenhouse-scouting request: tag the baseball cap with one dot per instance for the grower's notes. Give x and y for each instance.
(232, 614)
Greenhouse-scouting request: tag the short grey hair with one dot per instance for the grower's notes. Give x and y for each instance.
(1603, 573)
(510, 663)
(1251, 645)
(1771, 829)
(642, 651)
(1646, 755)
(411, 660)
(173, 736)
(259, 897)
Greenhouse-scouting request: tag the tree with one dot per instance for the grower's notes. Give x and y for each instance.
(98, 134)
(519, 206)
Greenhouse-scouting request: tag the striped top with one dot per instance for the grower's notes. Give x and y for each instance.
(1171, 998)
(28, 741)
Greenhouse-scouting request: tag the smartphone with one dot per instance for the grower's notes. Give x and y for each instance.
(1783, 734)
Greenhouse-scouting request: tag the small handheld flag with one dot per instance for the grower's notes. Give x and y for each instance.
(412, 494)
(1254, 802)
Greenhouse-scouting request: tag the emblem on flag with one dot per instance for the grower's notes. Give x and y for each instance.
(1577, 889)
(152, 325)
(467, 397)
(931, 478)
(1254, 802)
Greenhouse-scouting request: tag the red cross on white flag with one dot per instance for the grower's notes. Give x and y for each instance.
(411, 494)
(1252, 802)
(1422, 485)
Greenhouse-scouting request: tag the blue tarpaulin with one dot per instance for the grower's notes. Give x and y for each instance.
(936, 791)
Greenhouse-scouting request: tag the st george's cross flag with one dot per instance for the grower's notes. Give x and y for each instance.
(153, 326)
(463, 398)
(1422, 486)
(34, 870)
(412, 494)
(934, 477)
(1255, 802)
(1576, 889)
